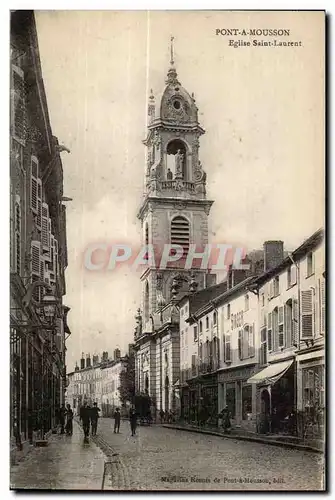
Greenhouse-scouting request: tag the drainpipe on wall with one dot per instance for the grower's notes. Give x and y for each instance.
(299, 334)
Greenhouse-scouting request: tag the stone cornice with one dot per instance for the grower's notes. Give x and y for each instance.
(171, 201)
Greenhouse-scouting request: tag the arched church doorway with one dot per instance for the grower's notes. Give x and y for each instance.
(167, 383)
(176, 160)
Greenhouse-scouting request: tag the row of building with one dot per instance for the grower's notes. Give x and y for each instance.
(254, 342)
(96, 381)
(38, 251)
(256, 345)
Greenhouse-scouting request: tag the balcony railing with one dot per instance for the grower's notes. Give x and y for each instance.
(178, 185)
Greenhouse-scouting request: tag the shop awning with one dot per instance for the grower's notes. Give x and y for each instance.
(271, 373)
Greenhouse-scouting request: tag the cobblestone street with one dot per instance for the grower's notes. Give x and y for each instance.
(159, 458)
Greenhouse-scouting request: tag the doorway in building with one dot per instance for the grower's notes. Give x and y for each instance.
(264, 425)
(282, 404)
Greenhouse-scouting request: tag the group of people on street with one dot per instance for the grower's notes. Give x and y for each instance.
(64, 419)
(132, 419)
(166, 417)
(89, 416)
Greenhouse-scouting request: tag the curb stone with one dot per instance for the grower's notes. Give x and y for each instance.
(283, 444)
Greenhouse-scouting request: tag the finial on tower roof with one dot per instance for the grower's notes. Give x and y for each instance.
(171, 51)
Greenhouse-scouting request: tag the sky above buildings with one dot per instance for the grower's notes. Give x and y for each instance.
(263, 151)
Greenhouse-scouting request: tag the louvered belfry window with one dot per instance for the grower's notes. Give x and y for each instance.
(180, 233)
(34, 184)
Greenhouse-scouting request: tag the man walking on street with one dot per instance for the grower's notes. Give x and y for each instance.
(62, 412)
(117, 420)
(69, 420)
(133, 420)
(85, 417)
(94, 418)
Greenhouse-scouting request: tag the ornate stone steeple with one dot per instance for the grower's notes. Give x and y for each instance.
(175, 208)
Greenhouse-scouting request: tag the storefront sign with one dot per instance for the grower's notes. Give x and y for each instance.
(238, 374)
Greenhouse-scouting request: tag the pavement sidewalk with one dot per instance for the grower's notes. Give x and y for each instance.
(65, 464)
(315, 445)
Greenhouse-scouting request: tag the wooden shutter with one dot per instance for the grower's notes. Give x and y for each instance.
(45, 227)
(33, 184)
(288, 324)
(251, 341)
(270, 332)
(18, 236)
(295, 322)
(245, 333)
(240, 344)
(281, 338)
(307, 314)
(18, 111)
(322, 308)
(227, 348)
(35, 258)
(39, 205)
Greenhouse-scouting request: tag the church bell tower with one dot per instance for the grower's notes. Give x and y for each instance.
(175, 208)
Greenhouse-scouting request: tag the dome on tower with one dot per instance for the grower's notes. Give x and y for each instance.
(175, 104)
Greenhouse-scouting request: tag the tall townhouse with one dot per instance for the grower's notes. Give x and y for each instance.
(38, 251)
(292, 327)
(110, 399)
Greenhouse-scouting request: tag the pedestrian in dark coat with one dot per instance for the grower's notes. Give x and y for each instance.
(94, 418)
(62, 412)
(69, 420)
(133, 421)
(117, 420)
(162, 414)
(85, 417)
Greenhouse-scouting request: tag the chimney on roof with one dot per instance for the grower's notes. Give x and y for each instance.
(82, 361)
(95, 359)
(273, 254)
(117, 354)
(88, 361)
(104, 356)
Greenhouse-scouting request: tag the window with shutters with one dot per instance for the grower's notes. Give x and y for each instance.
(281, 335)
(34, 184)
(289, 277)
(228, 311)
(195, 333)
(214, 318)
(276, 286)
(35, 264)
(322, 308)
(270, 332)
(227, 348)
(310, 264)
(180, 233)
(263, 351)
(17, 226)
(307, 314)
(295, 322)
(18, 105)
(275, 329)
(200, 326)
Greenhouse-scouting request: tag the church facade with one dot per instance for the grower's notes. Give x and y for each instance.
(174, 211)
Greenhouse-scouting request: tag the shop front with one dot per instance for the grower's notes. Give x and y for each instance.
(200, 400)
(235, 392)
(311, 395)
(275, 398)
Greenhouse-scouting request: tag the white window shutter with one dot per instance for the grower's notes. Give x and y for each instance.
(288, 324)
(39, 205)
(34, 184)
(270, 336)
(323, 307)
(35, 258)
(45, 227)
(306, 314)
(295, 322)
